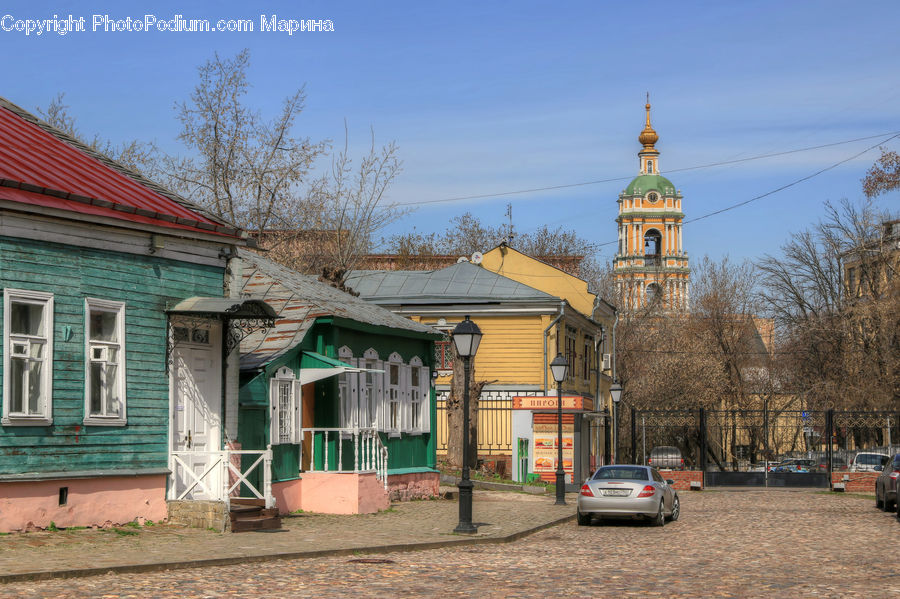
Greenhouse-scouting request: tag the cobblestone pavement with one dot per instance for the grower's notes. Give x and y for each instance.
(726, 544)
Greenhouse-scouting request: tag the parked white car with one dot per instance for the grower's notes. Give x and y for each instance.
(867, 461)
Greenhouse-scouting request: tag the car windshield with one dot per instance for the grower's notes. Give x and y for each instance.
(869, 459)
(622, 473)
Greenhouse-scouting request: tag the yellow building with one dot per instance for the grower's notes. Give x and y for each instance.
(528, 312)
(651, 266)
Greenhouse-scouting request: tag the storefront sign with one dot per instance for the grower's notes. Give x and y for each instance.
(570, 402)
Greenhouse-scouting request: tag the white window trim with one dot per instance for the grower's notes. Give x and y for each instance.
(424, 425)
(394, 360)
(34, 297)
(285, 375)
(119, 309)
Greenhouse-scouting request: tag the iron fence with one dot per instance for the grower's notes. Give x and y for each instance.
(494, 427)
(765, 444)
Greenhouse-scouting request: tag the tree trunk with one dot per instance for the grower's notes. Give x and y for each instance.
(455, 413)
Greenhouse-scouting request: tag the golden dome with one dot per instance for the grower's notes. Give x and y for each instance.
(648, 136)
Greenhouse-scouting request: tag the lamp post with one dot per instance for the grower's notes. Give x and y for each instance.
(466, 337)
(558, 367)
(616, 393)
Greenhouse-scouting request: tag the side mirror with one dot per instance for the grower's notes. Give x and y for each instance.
(669, 481)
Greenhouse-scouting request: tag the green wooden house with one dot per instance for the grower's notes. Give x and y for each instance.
(115, 396)
(341, 390)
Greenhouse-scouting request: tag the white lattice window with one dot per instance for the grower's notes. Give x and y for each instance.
(27, 357)
(104, 369)
(348, 392)
(395, 394)
(419, 395)
(285, 397)
(371, 385)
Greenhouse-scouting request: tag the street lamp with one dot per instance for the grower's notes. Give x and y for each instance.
(558, 367)
(616, 393)
(466, 337)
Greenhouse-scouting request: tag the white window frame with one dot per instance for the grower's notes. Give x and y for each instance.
(419, 397)
(45, 416)
(118, 308)
(372, 384)
(287, 379)
(394, 396)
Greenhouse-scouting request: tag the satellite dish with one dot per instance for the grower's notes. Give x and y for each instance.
(462, 259)
(477, 258)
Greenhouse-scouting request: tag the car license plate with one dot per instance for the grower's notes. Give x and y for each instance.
(616, 492)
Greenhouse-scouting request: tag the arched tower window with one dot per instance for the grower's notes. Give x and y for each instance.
(652, 243)
(654, 293)
(649, 167)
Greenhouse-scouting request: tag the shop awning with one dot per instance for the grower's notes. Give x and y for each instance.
(315, 367)
(229, 307)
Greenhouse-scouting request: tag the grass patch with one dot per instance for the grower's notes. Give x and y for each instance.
(53, 527)
(122, 532)
(71, 528)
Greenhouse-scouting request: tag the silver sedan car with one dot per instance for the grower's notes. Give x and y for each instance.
(621, 491)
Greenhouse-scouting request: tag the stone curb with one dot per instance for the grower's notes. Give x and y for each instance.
(228, 561)
(448, 479)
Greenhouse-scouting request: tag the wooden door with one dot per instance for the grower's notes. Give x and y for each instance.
(197, 409)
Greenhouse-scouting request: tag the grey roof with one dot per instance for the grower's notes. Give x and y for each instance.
(463, 282)
(299, 300)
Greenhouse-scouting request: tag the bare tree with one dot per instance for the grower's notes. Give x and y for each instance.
(884, 175)
(136, 155)
(841, 335)
(467, 234)
(245, 168)
(455, 413)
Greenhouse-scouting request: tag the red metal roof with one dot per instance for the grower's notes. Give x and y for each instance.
(39, 168)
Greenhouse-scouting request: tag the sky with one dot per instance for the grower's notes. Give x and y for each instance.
(498, 97)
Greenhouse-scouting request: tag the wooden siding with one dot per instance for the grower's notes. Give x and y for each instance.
(511, 350)
(405, 451)
(147, 285)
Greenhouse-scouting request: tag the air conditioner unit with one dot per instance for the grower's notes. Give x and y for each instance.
(607, 361)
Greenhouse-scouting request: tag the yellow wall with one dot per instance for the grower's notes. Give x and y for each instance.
(511, 350)
(529, 271)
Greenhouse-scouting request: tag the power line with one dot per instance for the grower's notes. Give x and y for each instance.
(782, 188)
(629, 177)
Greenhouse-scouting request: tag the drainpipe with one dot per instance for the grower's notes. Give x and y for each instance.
(553, 323)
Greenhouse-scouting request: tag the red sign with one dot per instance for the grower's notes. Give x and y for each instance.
(570, 402)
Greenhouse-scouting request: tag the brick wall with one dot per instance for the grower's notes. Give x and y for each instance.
(683, 478)
(859, 482)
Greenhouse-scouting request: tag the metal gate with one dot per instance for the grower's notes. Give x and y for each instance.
(767, 447)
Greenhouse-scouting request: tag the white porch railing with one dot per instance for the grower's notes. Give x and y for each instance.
(214, 476)
(369, 453)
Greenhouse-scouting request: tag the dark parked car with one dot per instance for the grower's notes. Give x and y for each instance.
(666, 457)
(886, 484)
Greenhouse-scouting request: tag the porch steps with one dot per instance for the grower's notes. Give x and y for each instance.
(252, 514)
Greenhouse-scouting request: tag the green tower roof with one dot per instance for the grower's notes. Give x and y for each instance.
(647, 182)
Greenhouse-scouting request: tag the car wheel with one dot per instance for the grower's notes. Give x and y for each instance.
(676, 510)
(660, 518)
(879, 504)
(583, 519)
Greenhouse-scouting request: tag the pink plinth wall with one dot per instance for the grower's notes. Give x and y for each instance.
(331, 493)
(340, 493)
(91, 502)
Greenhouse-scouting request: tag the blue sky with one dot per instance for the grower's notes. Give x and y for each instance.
(490, 97)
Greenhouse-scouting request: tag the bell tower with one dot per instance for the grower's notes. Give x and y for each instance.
(651, 266)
